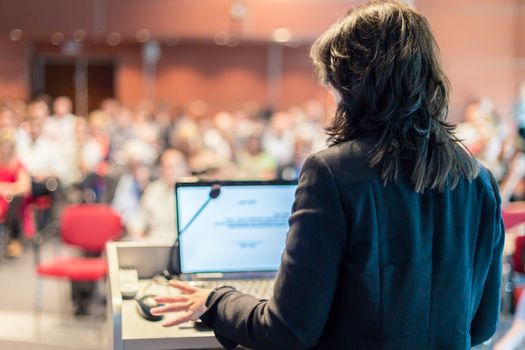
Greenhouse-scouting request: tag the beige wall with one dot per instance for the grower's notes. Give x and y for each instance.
(164, 18)
(14, 70)
(479, 47)
(223, 77)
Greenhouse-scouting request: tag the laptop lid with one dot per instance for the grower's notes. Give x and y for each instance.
(232, 227)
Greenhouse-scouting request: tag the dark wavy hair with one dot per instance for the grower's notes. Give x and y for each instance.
(383, 61)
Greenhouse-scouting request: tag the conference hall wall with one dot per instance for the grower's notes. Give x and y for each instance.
(481, 43)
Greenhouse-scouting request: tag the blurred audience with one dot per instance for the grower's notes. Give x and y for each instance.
(113, 154)
(130, 157)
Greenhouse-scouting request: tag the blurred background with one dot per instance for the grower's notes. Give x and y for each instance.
(227, 53)
(110, 102)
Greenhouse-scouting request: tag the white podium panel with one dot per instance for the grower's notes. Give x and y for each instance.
(129, 330)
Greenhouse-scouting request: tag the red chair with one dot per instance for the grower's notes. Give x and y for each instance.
(518, 265)
(511, 219)
(87, 227)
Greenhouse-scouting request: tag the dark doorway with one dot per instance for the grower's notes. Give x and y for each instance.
(100, 83)
(86, 81)
(59, 80)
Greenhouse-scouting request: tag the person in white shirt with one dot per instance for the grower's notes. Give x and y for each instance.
(158, 200)
(278, 139)
(60, 126)
(39, 155)
(60, 130)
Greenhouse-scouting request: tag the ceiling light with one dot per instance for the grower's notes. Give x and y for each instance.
(114, 39)
(57, 38)
(282, 35)
(79, 35)
(238, 10)
(143, 35)
(16, 34)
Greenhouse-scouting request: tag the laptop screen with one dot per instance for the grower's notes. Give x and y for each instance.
(232, 226)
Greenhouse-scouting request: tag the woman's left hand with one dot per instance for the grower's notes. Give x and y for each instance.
(192, 303)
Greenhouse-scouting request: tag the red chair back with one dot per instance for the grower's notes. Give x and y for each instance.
(90, 226)
(518, 257)
(512, 218)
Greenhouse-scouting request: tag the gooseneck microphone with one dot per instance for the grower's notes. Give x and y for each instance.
(174, 264)
(215, 192)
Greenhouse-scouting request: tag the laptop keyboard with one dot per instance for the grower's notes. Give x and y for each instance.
(260, 288)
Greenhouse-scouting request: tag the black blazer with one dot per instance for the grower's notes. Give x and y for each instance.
(368, 266)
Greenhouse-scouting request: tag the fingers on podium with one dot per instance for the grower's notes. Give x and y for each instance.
(174, 307)
(170, 299)
(185, 317)
(183, 287)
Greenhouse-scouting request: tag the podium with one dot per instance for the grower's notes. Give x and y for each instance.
(129, 330)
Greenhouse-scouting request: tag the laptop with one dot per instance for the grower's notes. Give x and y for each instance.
(233, 232)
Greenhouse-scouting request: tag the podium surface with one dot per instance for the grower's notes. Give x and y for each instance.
(129, 330)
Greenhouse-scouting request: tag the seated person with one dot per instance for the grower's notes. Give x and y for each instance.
(254, 162)
(60, 126)
(128, 192)
(158, 200)
(15, 185)
(38, 155)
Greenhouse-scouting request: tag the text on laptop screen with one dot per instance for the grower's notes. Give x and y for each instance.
(243, 229)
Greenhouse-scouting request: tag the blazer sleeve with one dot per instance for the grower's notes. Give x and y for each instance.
(295, 316)
(485, 320)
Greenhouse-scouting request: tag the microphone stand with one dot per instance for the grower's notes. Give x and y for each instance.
(215, 191)
(195, 216)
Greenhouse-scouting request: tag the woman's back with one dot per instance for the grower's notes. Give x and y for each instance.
(371, 266)
(415, 267)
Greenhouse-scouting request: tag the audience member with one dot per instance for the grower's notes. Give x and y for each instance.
(254, 162)
(61, 125)
(483, 132)
(158, 200)
(128, 193)
(92, 147)
(278, 139)
(187, 138)
(15, 185)
(518, 110)
(60, 129)
(120, 132)
(38, 155)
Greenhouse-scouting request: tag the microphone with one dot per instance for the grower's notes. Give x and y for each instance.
(215, 192)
